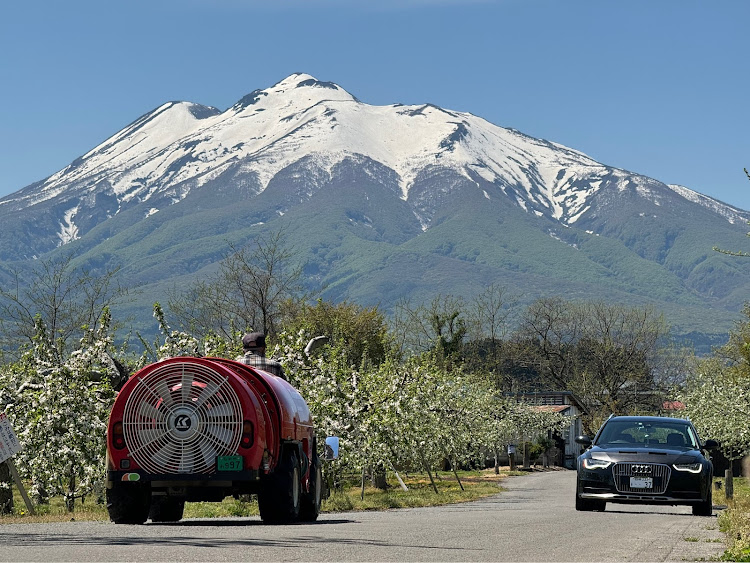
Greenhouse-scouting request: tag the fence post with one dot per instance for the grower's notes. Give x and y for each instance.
(19, 484)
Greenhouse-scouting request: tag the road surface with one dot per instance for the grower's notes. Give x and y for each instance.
(533, 520)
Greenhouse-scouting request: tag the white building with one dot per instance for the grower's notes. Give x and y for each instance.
(567, 403)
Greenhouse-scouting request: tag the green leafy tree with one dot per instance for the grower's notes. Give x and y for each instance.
(439, 326)
(359, 333)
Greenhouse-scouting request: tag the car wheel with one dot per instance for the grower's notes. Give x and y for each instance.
(706, 507)
(588, 504)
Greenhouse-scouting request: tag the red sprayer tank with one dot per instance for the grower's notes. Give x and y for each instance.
(201, 429)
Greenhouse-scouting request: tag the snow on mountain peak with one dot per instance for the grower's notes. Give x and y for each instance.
(185, 144)
(731, 214)
(293, 90)
(300, 115)
(302, 80)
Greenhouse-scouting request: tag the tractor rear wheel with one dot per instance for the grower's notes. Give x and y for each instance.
(280, 497)
(312, 499)
(128, 503)
(166, 509)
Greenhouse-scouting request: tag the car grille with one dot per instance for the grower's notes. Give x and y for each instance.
(659, 474)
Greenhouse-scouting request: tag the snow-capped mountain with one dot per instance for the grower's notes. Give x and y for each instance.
(180, 146)
(397, 176)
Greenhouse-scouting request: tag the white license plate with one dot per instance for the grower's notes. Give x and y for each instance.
(641, 482)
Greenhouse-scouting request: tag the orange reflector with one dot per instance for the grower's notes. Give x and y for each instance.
(247, 434)
(118, 438)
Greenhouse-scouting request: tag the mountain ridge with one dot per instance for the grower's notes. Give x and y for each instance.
(344, 177)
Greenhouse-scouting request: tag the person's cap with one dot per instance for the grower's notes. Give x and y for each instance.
(254, 340)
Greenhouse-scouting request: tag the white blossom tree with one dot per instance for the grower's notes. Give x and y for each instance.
(412, 413)
(717, 393)
(717, 400)
(60, 409)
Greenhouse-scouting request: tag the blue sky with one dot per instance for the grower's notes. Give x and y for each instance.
(658, 87)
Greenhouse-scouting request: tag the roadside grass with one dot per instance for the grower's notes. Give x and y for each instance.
(349, 497)
(734, 521)
(54, 511)
(477, 484)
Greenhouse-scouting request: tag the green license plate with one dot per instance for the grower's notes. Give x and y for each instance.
(229, 463)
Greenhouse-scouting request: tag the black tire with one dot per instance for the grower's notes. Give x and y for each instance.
(589, 505)
(310, 507)
(166, 509)
(128, 503)
(281, 494)
(706, 507)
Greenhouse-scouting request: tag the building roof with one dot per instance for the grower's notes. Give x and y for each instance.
(673, 405)
(549, 398)
(551, 408)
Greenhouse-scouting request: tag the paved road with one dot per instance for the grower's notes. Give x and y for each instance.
(534, 520)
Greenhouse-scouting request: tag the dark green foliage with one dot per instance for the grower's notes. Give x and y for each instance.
(358, 333)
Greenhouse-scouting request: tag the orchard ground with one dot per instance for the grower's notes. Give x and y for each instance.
(349, 496)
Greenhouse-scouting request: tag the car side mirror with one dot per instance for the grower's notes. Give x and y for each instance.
(711, 444)
(332, 448)
(584, 440)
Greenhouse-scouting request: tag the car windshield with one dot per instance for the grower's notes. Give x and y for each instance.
(673, 434)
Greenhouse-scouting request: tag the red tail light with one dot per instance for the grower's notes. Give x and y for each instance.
(118, 438)
(247, 434)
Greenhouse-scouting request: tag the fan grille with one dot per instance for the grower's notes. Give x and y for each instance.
(180, 417)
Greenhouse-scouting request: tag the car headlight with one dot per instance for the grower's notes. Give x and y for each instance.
(695, 467)
(592, 463)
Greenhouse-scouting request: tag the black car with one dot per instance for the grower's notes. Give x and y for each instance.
(645, 460)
